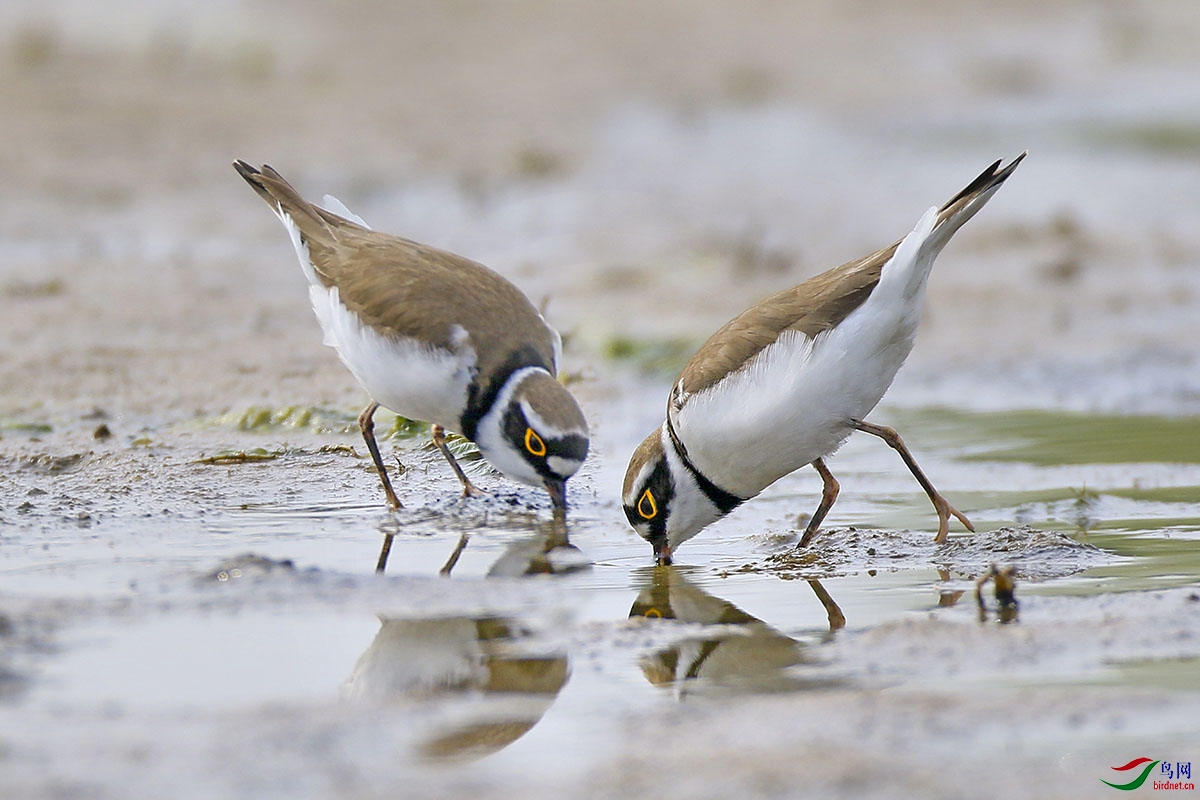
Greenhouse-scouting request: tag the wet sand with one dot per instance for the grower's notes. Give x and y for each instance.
(650, 171)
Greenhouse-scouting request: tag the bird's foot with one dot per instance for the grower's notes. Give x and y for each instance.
(944, 512)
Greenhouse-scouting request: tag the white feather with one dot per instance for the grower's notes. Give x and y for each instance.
(904, 277)
(301, 247)
(410, 377)
(691, 509)
(557, 346)
(331, 203)
(793, 402)
(490, 439)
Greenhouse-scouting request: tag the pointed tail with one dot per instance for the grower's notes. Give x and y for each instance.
(960, 208)
(910, 260)
(287, 202)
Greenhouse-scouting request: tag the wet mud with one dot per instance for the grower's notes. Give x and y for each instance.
(190, 525)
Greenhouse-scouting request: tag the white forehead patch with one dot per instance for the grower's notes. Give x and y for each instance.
(643, 475)
(544, 428)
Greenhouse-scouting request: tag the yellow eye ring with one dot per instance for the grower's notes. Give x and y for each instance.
(534, 443)
(646, 507)
(652, 613)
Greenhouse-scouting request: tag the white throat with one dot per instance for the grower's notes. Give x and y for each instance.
(691, 510)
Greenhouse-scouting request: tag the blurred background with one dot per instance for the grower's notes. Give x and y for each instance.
(650, 168)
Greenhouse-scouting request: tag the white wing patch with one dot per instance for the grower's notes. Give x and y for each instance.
(332, 204)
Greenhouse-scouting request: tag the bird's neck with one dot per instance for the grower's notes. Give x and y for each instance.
(493, 391)
(724, 501)
(489, 436)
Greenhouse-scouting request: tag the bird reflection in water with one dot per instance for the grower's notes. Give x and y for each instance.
(743, 654)
(548, 551)
(478, 685)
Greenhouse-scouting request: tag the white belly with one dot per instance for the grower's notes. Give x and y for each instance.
(792, 404)
(406, 376)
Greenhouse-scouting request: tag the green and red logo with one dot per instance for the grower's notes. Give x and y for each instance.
(1170, 770)
(1139, 780)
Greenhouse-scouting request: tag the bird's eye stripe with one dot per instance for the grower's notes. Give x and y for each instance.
(534, 443)
(646, 507)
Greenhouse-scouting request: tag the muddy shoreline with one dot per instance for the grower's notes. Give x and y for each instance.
(166, 407)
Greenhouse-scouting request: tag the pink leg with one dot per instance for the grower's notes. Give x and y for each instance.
(940, 504)
(829, 493)
(439, 441)
(366, 423)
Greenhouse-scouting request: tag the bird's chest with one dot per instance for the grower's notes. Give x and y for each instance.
(404, 374)
(788, 406)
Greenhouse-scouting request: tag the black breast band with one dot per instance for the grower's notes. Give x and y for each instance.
(726, 501)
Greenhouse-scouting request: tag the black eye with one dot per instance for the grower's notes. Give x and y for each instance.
(646, 507)
(534, 443)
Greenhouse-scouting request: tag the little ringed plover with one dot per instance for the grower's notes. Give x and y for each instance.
(435, 337)
(787, 381)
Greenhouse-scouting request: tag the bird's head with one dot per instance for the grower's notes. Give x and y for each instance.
(537, 434)
(662, 499)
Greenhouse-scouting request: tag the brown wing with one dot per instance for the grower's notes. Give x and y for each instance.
(409, 289)
(816, 305)
(821, 302)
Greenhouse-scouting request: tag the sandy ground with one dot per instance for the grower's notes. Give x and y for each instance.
(650, 168)
(622, 160)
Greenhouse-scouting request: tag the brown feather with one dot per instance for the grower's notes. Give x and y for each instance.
(814, 306)
(404, 288)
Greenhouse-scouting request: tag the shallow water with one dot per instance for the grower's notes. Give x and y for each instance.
(147, 640)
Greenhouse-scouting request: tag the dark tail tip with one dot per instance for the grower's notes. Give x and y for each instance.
(254, 177)
(1003, 174)
(244, 169)
(992, 176)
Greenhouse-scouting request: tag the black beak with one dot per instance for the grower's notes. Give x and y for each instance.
(662, 551)
(557, 489)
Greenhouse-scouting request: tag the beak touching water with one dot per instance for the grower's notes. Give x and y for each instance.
(662, 551)
(557, 489)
